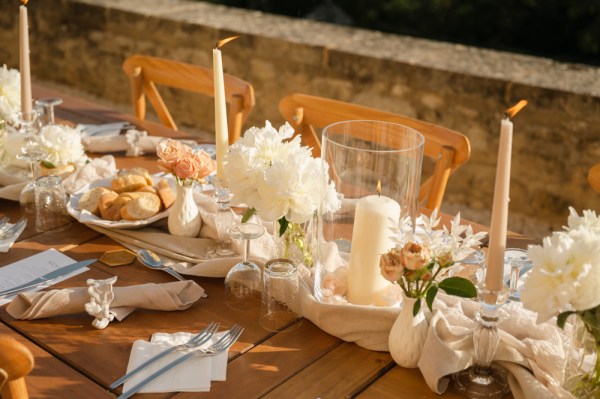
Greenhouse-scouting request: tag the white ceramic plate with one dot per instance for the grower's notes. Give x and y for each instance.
(89, 218)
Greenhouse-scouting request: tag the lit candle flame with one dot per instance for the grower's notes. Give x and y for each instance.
(512, 111)
(24, 2)
(223, 42)
(379, 187)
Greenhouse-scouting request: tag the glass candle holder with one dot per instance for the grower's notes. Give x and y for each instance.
(376, 168)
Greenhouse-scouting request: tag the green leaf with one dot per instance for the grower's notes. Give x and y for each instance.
(562, 318)
(430, 296)
(283, 225)
(47, 164)
(417, 307)
(248, 214)
(458, 286)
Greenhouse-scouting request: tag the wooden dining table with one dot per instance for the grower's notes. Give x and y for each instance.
(75, 360)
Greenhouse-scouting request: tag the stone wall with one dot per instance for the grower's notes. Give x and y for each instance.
(82, 43)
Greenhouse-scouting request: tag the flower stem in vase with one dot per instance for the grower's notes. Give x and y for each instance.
(484, 380)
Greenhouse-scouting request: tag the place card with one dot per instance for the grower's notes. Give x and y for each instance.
(35, 266)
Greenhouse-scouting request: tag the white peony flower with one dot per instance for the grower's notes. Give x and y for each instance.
(277, 176)
(10, 94)
(566, 269)
(62, 145)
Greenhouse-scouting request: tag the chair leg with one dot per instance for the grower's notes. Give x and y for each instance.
(15, 389)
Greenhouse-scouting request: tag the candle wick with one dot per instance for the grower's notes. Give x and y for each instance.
(506, 116)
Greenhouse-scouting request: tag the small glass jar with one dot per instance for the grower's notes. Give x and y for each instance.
(50, 204)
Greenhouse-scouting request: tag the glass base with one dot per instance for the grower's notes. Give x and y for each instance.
(478, 382)
(281, 321)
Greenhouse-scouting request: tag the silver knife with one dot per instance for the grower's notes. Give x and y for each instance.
(53, 275)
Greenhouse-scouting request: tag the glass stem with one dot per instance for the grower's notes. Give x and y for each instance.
(245, 251)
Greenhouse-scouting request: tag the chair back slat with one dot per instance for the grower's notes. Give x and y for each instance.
(146, 73)
(447, 148)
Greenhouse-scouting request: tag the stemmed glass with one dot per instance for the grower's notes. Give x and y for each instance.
(48, 105)
(31, 152)
(243, 281)
(225, 217)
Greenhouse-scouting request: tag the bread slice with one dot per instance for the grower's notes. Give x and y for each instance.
(165, 193)
(110, 206)
(149, 189)
(141, 172)
(127, 183)
(141, 208)
(90, 200)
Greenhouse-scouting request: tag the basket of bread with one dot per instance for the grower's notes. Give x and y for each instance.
(132, 198)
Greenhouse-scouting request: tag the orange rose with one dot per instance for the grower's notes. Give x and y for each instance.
(171, 151)
(187, 168)
(205, 162)
(415, 256)
(391, 265)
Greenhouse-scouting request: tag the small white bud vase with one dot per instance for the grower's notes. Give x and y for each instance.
(184, 217)
(408, 334)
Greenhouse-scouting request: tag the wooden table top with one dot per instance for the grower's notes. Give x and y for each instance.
(75, 360)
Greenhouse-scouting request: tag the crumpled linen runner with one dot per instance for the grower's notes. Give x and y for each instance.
(13, 178)
(178, 295)
(525, 348)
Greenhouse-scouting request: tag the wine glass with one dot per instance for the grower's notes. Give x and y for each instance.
(48, 104)
(243, 281)
(31, 152)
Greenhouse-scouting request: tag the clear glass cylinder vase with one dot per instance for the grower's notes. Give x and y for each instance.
(582, 374)
(376, 168)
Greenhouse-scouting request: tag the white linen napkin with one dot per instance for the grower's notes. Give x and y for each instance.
(7, 243)
(194, 375)
(125, 142)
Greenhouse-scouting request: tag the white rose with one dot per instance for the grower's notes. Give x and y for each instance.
(10, 93)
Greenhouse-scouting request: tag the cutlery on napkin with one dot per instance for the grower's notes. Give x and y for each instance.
(194, 376)
(177, 295)
(115, 143)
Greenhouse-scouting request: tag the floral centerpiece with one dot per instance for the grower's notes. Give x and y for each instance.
(10, 94)
(417, 265)
(279, 180)
(187, 166)
(564, 281)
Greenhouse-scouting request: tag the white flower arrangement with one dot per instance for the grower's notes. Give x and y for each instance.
(62, 145)
(277, 177)
(10, 94)
(566, 270)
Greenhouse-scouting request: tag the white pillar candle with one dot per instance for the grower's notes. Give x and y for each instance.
(24, 61)
(375, 222)
(497, 243)
(222, 136)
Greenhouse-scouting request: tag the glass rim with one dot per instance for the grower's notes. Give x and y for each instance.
(418, 134)
(288, 268)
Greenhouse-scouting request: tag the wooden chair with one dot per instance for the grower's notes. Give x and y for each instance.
(447, 148)
(145, 73)
(16, 361)
(594, 177)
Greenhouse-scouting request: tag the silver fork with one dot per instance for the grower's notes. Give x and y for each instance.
(197, 340)
(8, 233)
(220, 346)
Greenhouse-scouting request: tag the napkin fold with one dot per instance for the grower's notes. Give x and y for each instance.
(195, 375)
(191, 255)
(534, 354)
(132, 141)
(177, 295)
(14, 178)
(7, 243)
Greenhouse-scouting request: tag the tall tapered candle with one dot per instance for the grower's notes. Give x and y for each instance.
(497, 243)
(24, 61)
(221, 131)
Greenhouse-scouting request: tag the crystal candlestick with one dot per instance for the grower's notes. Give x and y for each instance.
(225, 217)
(31, 152)
(484, 380)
